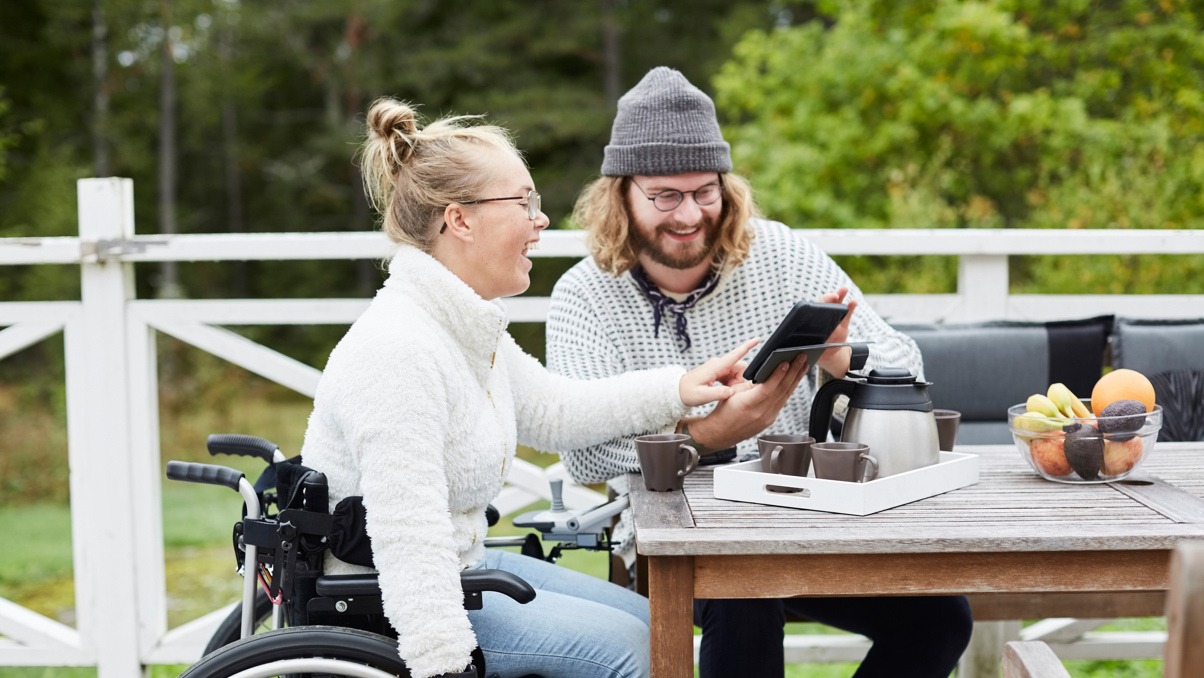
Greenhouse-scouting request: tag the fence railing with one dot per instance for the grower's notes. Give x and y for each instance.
(112, 391)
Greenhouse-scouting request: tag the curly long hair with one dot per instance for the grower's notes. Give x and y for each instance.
(602, 210)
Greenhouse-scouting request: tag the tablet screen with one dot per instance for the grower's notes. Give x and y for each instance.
(805, 329)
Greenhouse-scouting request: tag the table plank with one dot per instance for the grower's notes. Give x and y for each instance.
(1042, 605)
(1168, 500)
(873, 574)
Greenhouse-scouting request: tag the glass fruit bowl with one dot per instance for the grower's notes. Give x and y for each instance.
(1084, 450)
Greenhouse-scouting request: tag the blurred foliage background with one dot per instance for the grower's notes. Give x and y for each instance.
(235, 116)
(243, 117)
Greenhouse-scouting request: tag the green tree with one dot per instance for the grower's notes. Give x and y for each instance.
(269, 106)
(950, 114)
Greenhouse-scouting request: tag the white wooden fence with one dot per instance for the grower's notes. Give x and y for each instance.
(112, 412)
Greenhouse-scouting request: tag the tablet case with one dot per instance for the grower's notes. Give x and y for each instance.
(783, 355)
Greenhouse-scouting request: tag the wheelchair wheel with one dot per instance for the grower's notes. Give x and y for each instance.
(330, 651)
(230, 630)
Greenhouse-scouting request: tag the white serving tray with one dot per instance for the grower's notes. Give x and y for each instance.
(746, 482)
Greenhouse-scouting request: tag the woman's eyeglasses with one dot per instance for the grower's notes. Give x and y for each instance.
(669, 199)
(532, 198)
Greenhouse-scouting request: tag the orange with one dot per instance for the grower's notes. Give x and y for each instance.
(1122, 384)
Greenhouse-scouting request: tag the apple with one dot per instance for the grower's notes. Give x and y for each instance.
(1049, 454)
(1121, 455)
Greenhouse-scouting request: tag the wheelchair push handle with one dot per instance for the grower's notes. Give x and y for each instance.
(210, 474)
(244, 445)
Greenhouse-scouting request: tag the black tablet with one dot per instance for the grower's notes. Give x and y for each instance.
(805, 329)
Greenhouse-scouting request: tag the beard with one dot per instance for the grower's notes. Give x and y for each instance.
(661, 249)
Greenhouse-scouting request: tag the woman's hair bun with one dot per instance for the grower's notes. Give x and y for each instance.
(396, 125)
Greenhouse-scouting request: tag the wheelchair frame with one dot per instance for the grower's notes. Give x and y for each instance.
(336, 624)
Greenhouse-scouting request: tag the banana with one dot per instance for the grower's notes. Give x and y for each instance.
(1081, 410)
(1066, 401)
(1043, 405)
(1038, 423)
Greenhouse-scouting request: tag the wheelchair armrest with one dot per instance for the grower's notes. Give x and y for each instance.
(475, 581)
(347, 585)
(472, 581)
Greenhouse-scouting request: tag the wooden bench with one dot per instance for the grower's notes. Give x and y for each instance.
(1184, 619)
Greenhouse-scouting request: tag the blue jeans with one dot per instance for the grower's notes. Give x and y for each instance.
(913, 636)
(578, 625)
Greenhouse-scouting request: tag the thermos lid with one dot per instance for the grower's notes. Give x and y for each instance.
(890, 375)
(892, 388)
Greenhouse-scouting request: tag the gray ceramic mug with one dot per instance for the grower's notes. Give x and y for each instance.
(946, 428)
(785, 453)
(851, 462)
(665, 459)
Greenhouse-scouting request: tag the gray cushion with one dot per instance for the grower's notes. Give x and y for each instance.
(1154, 346)
(982, 369)
(983, 433)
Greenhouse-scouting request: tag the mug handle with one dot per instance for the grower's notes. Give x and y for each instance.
(774, 455)
(873, 469)
(693, 459)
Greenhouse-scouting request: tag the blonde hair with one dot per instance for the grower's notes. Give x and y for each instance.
(412, 174)
(602, 210)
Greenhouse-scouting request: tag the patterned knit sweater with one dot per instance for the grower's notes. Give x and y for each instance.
(419, 410)
(600, 325)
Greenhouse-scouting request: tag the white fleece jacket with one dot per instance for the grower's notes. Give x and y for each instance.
(419, 410)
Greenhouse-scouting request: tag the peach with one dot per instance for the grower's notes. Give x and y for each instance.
(1121, 455)
(1049, 454)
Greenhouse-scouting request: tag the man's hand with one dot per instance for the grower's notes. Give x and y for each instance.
(698, 386)
(835, 361)
(750, 409)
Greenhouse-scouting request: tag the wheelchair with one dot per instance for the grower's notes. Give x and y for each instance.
(295, 620)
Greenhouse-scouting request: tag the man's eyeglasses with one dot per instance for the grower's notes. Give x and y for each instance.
(532, 198)
(669, 199)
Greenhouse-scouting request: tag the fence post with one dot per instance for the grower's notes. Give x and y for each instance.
(982, 285)
(103, 519)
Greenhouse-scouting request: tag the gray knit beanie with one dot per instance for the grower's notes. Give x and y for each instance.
(665, 126)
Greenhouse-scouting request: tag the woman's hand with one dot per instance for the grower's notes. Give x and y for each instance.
(835, 361)
(751, 409)
(716, 378)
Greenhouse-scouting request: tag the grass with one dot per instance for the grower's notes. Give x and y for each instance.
(197, 521)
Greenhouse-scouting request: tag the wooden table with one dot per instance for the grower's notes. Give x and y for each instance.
(1012, 537)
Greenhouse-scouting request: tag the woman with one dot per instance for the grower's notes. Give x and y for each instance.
(424, 399)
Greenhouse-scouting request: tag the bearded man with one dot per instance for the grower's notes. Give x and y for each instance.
(682, 268)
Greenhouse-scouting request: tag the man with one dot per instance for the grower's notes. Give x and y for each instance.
(682, 269)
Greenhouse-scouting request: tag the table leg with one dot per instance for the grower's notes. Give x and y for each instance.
(671, 610)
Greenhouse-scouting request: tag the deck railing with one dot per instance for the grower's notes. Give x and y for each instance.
(112, 391)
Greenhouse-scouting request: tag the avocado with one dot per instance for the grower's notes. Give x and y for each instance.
(1085, 451)
(1122, 419)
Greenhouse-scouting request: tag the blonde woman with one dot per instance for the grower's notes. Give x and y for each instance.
(423, 401)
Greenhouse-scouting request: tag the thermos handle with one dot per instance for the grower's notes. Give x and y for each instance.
(859, 356)
(821, 407)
